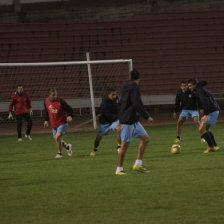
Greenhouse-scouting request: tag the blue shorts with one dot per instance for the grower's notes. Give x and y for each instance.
(61, 129)
(212, 118)
(104, 129)
(189, 113)
(132, 130)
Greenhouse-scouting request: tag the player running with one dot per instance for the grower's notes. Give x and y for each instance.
(22, 105)
(211, 112)
(185, 102)
(131, 106)
(59, 113)
(108, 119)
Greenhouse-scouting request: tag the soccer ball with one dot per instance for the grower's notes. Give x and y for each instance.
(175, 149)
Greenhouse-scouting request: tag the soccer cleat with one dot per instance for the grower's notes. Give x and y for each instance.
(93, 153)
(207, 150)
(215, 148)
(118, 148)
(203, 140)
(121, 173)
(177, 140)
(20, 140)
(140, 169)
(69, 149)
(28, 137)
(58, 155)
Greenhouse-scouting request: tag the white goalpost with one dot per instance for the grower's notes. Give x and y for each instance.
(81, 83)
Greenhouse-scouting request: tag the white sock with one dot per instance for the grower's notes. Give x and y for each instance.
(119, 169)
(138, 162)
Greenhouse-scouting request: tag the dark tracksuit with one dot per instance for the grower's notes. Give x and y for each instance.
(109, 110)
(205, 99)
(22, 105)
(185, 101)
(208, 104)
(131, 105)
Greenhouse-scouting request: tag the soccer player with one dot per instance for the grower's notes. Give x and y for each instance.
(131, 106)
(59, 113)
(108, 119)
(186, 103)
(22, 105)
(211, 112)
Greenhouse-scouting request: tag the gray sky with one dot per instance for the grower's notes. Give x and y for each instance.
(9, 2)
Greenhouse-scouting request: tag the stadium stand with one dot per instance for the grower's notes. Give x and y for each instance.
(165, 47)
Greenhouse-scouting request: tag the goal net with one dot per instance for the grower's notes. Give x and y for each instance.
(81, 83)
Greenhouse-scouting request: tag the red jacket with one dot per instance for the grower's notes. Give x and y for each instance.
(55, 112)
(21, 103)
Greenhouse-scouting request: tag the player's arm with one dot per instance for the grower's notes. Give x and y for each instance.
(28, 100)
(136, 101)
(68, 110)
(11, 104)
(46, 116)
(176, 106)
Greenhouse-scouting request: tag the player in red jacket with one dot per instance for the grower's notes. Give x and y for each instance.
(22, 106)
(59, 113)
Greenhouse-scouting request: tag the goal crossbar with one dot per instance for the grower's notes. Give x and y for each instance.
(66, 63)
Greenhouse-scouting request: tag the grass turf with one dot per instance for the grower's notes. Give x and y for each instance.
(185, 188)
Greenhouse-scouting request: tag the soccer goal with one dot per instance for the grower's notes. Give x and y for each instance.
(81, 83)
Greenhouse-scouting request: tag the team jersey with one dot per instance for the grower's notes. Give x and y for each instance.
(20, 102)
(57, 111)
(109, 110)
(185, 101)
(131, 105)
(205, 99)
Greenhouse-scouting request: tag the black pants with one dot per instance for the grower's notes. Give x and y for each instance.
(28, 119)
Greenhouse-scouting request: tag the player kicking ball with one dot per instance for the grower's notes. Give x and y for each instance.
(59, 113)
(131, 106)
(108, 119)
(185, 102)
(210, 108)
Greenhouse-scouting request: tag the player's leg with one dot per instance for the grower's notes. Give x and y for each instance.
(59, 145)
(103, 130)
(204, 134)
(140, 133)
(121, 156)
(29, 125)
(19, 126)
(212, 118)
(182, 118)
(118, 130)
(67, 146)
(126, 136)
(96, 145)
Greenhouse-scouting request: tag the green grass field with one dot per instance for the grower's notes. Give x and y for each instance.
(186, 188)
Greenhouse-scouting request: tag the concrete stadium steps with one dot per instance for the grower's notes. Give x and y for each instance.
(165, 47)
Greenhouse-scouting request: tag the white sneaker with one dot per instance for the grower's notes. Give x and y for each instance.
(69, 149)
(20, 140)
(28, 137)
(58, 156)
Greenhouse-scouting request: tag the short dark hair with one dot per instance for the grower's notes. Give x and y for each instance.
(192, 81)
(18, 85)
(135, 75)
(110, 90)
(183, 82)
(52, 90)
